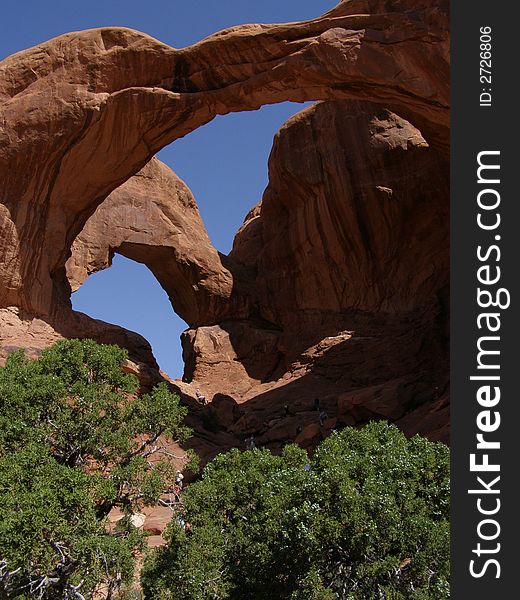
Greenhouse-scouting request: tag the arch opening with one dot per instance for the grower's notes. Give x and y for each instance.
(335, 212)
(225, 164)
(127, 294)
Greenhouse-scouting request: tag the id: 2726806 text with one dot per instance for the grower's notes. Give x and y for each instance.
(485, 66)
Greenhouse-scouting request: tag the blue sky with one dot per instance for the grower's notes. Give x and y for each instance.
(224, 163)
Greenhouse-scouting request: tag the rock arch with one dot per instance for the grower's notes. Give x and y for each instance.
(88, 110)
(154, 219)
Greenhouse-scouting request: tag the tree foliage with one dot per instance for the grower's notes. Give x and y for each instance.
(76, 441)
(366, 519)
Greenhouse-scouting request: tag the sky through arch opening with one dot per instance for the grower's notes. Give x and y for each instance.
(129, 295)
(224, 163)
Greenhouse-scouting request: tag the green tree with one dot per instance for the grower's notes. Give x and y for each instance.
(366, 519)
(76, 441)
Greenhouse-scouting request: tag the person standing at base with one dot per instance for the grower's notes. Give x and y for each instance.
(200, 397)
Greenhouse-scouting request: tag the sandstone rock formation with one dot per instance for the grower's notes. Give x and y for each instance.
(88, 110)
(336, 288)
(348, 261)
(352, 186)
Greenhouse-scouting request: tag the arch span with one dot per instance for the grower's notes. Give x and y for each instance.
(154, 219)
(82, 117)
(88, 110)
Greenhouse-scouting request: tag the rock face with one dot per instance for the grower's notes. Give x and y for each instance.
(348, 259)
(354, 187)
(334, 298)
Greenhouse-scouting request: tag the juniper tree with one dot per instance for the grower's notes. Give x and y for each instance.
(368, 520)
(77, 439)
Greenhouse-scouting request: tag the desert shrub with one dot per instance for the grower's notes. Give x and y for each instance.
(366, 519)
(75, 442)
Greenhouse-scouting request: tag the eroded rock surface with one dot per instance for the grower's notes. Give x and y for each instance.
(84, 112)
(348, 260)
(355, 216)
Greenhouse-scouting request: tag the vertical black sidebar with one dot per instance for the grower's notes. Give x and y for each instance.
(485, 336)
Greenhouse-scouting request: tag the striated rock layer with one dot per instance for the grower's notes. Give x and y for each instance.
(335, 293)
